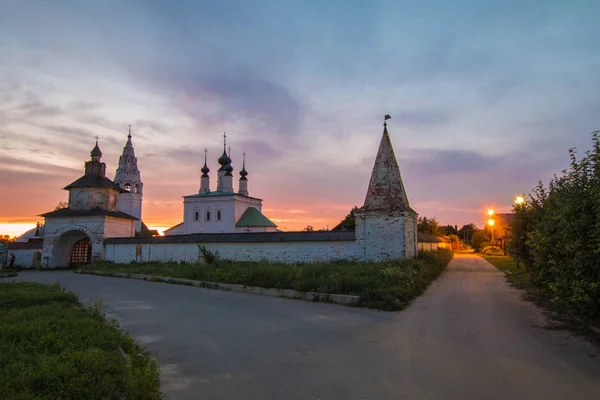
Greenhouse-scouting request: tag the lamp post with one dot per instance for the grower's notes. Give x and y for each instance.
(491, 224)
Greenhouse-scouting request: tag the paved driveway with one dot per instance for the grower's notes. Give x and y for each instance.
(468, 337)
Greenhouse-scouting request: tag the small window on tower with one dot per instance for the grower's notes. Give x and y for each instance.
(207, 216)
(196, 216)
(128, 187)
(219, 215)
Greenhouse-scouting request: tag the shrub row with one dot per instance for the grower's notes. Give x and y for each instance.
(556, 235)
(387, 285)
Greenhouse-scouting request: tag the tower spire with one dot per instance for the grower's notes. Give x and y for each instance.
(128, 177)
(386, 190)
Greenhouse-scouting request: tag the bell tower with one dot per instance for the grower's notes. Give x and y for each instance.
(129, 179)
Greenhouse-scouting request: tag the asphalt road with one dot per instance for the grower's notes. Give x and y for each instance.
(470, 336)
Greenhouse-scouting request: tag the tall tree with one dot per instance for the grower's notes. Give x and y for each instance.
(428, 225)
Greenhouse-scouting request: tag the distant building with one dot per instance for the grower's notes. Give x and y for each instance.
(222, 210)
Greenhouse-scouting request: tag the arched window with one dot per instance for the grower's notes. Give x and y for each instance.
(113, 200)
(80, 197)
(136, 189)
(128, 187)
(99, 198)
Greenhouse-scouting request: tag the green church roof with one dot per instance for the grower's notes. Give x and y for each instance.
(253, 217)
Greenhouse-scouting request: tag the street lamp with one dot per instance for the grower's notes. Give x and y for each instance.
(491, 223)
(519, 200)
(490, 212)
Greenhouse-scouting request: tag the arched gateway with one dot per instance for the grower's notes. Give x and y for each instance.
(72, 248)
(74, 235)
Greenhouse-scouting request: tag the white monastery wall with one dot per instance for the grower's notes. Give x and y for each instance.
(23, 257)
(286, 252)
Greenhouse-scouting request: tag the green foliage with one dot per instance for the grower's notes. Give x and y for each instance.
(208, 256)
(466, 232)
(492, 251)
(349, 221)
(430, 226)
(556, 235)
(53, 347)
(387, 285)
(479, 240)
(447, 230)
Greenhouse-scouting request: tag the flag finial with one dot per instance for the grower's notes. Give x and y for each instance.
(387, 116)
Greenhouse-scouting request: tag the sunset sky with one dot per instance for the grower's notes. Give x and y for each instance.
(486, 98)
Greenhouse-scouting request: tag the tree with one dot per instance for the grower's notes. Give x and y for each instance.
(7, 238)
(309, 228)
(478, 239)
(447, 230)
(349, 221)
(61, 205)
(467, 231)
(430, 226)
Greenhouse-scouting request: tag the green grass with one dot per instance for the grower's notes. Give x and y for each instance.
(53, 347)
(8, 274)
(517, 276)
(386, 286)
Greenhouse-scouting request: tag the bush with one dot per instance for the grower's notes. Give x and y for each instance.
(479, 240)
(556, 235)
(492, 251)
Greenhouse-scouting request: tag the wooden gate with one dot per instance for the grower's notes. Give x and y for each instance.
(81, 253)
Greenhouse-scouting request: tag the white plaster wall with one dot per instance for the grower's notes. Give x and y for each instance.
(380, 238)
(131, 203)
(410, 235)
(427, 246)
(232, 208)
(86, 198)
(286, 252)
(118, 227)
(23, 257)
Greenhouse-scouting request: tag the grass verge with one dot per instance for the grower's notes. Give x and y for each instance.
(387, 285)
(517, 276)
(8, 274)
(53, 347)
(521, 279)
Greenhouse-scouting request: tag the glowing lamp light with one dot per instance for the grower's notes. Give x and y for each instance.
(519, 200)
(490, 212)
(491, 222)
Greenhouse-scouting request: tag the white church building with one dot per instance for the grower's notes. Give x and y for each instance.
(223, 210)
(103, 221)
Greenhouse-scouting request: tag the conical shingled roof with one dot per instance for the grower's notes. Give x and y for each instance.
(386, 191)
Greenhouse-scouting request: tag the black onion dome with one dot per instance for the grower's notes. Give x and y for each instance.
(224, 160)
(205, 170)
(96, 151)
(228, 170)
(243, 174)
